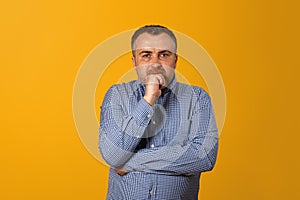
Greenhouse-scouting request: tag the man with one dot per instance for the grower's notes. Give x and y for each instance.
(157, 134)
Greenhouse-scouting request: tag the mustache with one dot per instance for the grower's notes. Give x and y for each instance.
(156, 71)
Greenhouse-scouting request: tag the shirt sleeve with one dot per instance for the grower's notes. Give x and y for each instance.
(197, 154)
(120, 132)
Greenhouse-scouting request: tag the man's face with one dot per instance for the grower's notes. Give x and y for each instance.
(155, 54)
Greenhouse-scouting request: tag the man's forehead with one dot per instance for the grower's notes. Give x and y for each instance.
(155, 42)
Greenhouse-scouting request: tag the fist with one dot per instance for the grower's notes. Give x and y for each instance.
(154, 84)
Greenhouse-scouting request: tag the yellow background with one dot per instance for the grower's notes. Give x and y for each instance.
(255, 45)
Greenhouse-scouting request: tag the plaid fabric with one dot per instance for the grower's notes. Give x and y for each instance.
(164, 148)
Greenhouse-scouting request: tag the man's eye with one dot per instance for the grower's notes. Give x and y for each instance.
(164, 55)
(146, 55)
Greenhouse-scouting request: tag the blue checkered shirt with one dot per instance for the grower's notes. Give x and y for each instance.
(164, 147)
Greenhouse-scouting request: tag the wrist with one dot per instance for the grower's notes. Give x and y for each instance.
(150, 101)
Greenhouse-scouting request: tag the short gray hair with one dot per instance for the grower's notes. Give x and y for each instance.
(153, 30)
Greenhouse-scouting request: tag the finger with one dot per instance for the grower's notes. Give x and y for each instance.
(153, 80)
(161, 80)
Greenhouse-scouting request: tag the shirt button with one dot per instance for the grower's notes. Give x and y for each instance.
(153, 122)
(148, 115)
(152, 145)
(151, 192)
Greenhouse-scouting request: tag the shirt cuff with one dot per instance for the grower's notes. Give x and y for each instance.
(142, 113)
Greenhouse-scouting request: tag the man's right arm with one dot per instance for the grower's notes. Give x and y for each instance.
(120, 132)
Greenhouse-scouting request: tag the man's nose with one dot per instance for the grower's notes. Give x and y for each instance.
(155, 60)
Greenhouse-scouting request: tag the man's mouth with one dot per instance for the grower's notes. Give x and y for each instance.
(154, 72)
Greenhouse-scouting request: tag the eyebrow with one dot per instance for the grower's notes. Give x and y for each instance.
(145, 51)
(165, 51)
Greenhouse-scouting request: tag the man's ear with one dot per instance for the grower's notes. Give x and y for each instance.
(176, 58)
(133, 61)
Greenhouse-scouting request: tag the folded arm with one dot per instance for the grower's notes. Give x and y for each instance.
(189, 153)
